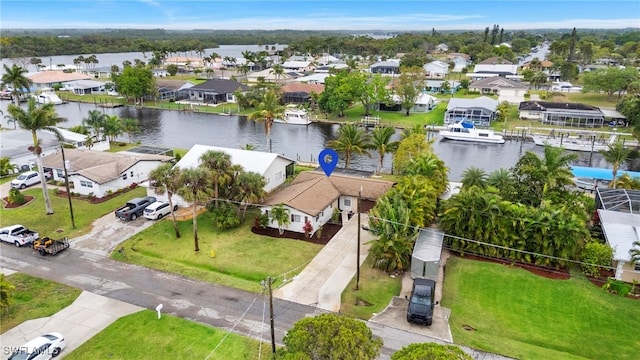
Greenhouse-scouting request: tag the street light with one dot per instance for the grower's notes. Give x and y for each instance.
(358, 248)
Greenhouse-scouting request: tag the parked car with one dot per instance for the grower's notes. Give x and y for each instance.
(421, 303)
(134, 208)
(18, 235)
(27, 179)
(43, 347)
(158, 210)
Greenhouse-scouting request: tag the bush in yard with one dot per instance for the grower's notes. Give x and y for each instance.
(308, 228)
(617, 287)
(261, 221)
(595, 256)
(225, 216)
(6, 293)
(431, 351)
(16, 197)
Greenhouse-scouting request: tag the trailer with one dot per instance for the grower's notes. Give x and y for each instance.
(425, 260)
(51, 246)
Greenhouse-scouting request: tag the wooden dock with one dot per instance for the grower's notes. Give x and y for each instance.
(370, 121)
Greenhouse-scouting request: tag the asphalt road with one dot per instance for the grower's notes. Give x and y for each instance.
(225, 308)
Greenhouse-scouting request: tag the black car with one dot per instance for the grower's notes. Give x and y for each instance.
(421, 303)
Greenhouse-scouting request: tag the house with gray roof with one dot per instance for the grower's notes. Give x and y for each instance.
(481, 111)
(564, 114)
(100, 173)
(85, 87)
(215, 91)
(313, 197)
(506, 89)
(385, 67)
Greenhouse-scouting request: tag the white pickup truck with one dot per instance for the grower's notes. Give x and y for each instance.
(18, 235)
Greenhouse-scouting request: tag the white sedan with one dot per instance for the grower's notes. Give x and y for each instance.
(43, 347)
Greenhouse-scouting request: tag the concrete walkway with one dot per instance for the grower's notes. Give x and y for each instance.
(322, 281)
(87, 316)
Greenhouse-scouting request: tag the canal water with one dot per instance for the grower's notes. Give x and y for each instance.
(183, 129)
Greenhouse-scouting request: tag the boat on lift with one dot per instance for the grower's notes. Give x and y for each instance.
(294, 116)
(466, 131)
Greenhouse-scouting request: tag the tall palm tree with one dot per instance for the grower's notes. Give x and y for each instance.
(615, 154)
(351, 140)
(381, 142)
(474, 176)
(95, 120)
(165, 178)
(219, 165)
(250, 189)
(6, 167)
(112, 127)
(280, 214)
(269, 108)
(195, 187)
(15, 75)
(37, 118)
(415, 129)
(130, 126)
(278, 71)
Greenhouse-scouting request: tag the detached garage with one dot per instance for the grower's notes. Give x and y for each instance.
(425, 260)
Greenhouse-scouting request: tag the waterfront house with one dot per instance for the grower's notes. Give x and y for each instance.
(100, 173)
(507, 90)
(481, 111)
(215, 91)
(436, 69)
(299, 93)
(619, 214)
(85, 87)
(51, 78)
(390, 67)
(563, 114)
(313, 197)
(171, 89)
(304, 67)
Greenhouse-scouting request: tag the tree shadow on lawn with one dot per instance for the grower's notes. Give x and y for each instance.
(328, 232)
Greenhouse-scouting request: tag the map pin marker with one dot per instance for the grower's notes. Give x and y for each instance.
(328, 159)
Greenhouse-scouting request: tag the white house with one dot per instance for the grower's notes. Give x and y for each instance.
(84, 87)
(506, 89)
(436, 69)
(299, 66)
(498, 69)
(313, 197)
(99, 173)
(273, 167)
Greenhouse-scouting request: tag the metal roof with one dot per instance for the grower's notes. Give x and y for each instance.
(620, 230)
(619, 200)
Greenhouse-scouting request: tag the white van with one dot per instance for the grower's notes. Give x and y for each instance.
(25, 180)
(158, 210)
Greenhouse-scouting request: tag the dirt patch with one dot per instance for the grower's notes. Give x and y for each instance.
(8, 205)
(328, 231)
(550, 273)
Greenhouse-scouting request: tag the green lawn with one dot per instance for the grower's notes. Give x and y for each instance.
(375, 291)
(35, 298)
(525, 316)
(241, 259)
(57, 225)
(143, 336)
(397, 118)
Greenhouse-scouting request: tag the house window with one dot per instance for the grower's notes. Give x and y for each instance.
(84, 183)
(59, 174)
(637, 267)
(124, 176)
(295, 218)
(131, 173)
(306, 219)
(347, 202)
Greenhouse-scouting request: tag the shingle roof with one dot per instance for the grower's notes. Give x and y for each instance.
(546, 105)
(311, 192)
(54, 76)
(480, 102)
(301, 87)
(221, 86)
(495, 60)
(496, 83)
(100, 167)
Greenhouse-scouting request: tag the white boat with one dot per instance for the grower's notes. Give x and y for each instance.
(589, 142)
(466, 131)
(48, 96)
(294, 116)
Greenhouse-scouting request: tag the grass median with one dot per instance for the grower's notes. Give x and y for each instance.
(143, 336)
(235, 257)
(513, 312)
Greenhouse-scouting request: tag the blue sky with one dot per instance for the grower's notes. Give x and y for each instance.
(319, 15)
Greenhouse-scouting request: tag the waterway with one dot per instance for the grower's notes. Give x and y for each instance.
(183, 129)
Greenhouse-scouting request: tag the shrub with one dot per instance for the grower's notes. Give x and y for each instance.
(595, 255)
(335, 216)
(261, 220)
(617, 287)
(16, 197)
(133, 186)
(308, 228)
(225, 216)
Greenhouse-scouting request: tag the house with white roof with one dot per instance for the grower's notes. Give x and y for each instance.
(619, 214)
(436, 69)
(481, 111)
(85, 87)
(299, 66)
(507, 90)
(273, 167)
(50, 78)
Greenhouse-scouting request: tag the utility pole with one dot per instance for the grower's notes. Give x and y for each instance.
(66, 183)
(273, 336)
(358, 250)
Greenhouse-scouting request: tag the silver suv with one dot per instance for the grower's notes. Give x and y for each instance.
(158, 210)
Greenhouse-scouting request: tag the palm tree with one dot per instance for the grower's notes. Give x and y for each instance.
(268, 109)
(165, 179)
(635, 252)
(280, 214)
(195, 187)
(15, 76)
(219, 165)
(278, 71)
(112, 127)
(474, 176)
(351, 140)
(250, 189)
(615, 154)
(36, 119)
(6, 167)
(95, 120)
(415, 129)
(130, 126)
(381, 142)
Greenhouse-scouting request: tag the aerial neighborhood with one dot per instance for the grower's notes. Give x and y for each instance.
(476, 191)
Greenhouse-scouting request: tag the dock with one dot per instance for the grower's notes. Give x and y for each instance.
(109, 105)
(370, 121)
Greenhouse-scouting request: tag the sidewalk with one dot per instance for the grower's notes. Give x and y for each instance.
(87, 316)
(322, 281)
